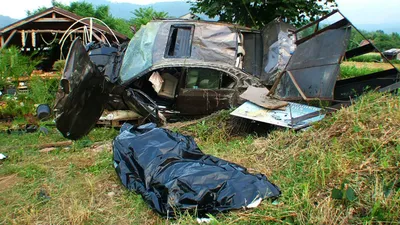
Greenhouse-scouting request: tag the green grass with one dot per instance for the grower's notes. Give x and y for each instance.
(357, 147)
(372, 57)
(347, 71)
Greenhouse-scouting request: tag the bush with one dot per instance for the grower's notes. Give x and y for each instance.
(59, 65)
(14, 64)
(43, 91)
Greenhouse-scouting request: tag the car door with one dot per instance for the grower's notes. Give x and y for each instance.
(81, 97)
(205, 91)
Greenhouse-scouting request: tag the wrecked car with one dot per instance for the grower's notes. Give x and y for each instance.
(170, 68)
(183, 68)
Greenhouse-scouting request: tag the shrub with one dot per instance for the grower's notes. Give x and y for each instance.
(59, 65)
(43, 91)
(14, 64)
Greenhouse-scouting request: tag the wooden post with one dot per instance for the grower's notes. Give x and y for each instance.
(1, 41)
(23, 40)
(33, 34)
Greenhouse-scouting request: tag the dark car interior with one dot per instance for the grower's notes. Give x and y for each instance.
(164, 85)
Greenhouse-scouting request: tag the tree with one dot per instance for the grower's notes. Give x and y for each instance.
(257, 13)
(144, 15)
(86, 9)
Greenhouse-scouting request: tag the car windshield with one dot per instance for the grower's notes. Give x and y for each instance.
(138, 56)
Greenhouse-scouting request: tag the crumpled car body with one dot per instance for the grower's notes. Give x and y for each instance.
(184, 69)
(171, 68)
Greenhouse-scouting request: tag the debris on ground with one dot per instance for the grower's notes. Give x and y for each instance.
(173, 175)
(47, 150)
(2, 156)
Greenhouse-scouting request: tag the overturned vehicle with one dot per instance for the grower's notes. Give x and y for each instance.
(183, 68)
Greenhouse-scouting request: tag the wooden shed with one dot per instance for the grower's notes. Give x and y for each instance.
(44, 28)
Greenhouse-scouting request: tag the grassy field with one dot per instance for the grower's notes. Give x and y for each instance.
(356, 149)
(354, 69)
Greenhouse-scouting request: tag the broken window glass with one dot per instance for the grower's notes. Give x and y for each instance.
(179, 42)
(138, 56)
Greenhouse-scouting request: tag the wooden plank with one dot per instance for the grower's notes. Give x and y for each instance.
(297, 86)
(259, 96)
(9, 38)
(52, 20)
(49, 31)
(26, 20)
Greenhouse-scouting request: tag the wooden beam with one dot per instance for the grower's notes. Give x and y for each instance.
(1, 41)
(9, 39)
(96, 36)
(23, 39)
(26, 20)
(33, 34)
(53, 15)
(49, 31)
(53, 20)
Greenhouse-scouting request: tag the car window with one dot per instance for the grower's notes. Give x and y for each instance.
(138, 55)
(179, 41)
(203, 78)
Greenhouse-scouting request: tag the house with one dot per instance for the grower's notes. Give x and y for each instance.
(44, 28)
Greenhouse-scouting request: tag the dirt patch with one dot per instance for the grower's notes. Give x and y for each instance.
(9, 181)
(101, 147)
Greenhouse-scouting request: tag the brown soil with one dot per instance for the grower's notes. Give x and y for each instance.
(8, 181)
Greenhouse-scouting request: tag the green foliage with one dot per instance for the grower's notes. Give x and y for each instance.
(59, 65)
(35, 11)
(43, 91)
(345, 193)
(379, 38)
(257, 13)
(86, 9)
(14, 64)
(142, 16)
(15, 106)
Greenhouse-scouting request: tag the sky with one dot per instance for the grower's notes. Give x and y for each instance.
(358, 11)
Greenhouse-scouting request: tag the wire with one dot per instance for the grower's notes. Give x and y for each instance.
(47, 43)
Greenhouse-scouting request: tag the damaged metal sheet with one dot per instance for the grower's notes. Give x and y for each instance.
(286, 117)
(314, 67)
(259, 97)
(173, 175)
(278, 45)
